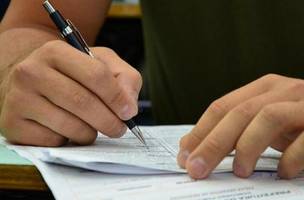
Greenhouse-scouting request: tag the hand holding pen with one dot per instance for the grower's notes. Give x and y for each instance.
(57, 93)
(71, 34)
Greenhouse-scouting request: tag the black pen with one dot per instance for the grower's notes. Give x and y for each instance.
(71, 34)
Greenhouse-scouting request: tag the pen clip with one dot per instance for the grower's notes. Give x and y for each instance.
(80, 37)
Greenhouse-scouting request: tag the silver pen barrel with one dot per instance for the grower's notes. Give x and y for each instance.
(48, 6)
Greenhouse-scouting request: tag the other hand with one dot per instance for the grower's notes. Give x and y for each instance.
(266, 112)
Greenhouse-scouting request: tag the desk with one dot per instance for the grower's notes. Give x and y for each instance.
(122, 10)
(17, 173)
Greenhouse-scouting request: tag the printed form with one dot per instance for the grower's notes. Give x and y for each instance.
(124, 155)
(128, 156)
(77, 183)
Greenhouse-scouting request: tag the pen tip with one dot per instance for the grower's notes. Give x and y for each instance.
(137, 132)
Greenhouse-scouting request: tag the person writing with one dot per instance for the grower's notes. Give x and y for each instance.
(196, 52)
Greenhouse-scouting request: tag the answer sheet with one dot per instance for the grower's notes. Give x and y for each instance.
(78, 184)
(127, 155)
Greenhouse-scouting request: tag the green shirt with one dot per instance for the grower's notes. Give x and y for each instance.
(198, 50)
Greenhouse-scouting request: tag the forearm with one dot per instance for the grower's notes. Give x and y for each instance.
(16, 44)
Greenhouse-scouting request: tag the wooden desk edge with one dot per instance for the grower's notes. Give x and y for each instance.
(121, 10)
(21, 177)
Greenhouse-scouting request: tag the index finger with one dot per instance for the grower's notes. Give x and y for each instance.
(92, 74)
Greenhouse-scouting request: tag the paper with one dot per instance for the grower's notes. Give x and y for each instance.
(125, 155)
(80, 184)
(128, 156)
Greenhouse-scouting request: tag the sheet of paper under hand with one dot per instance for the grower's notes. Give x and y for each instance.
(76, 183)
(127, 156)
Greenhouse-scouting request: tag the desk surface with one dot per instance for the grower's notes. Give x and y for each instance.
(18, 173)
(123, 10)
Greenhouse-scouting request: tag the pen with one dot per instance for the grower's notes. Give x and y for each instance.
(71, 34)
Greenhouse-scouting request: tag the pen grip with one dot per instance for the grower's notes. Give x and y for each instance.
(130, 124)
(71, 38)
(73, 41)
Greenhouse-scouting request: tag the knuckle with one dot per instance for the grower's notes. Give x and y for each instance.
(268, 80)
(297, 87)
(218, 108)
(24, 71)
(270, 77)
(51, 50)
(214, 147)
(272, 115)
(196, 135)
(118, 97)
(85, 134)
(245, 110)
(51, 47)
(107, 51)
(82, 100)
(189, 141)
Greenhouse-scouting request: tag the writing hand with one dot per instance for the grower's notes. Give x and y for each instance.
(59, 93)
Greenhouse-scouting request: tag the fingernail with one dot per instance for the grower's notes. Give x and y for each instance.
(127, 112)
(239, 170)
(198, 168)
(182, 158)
